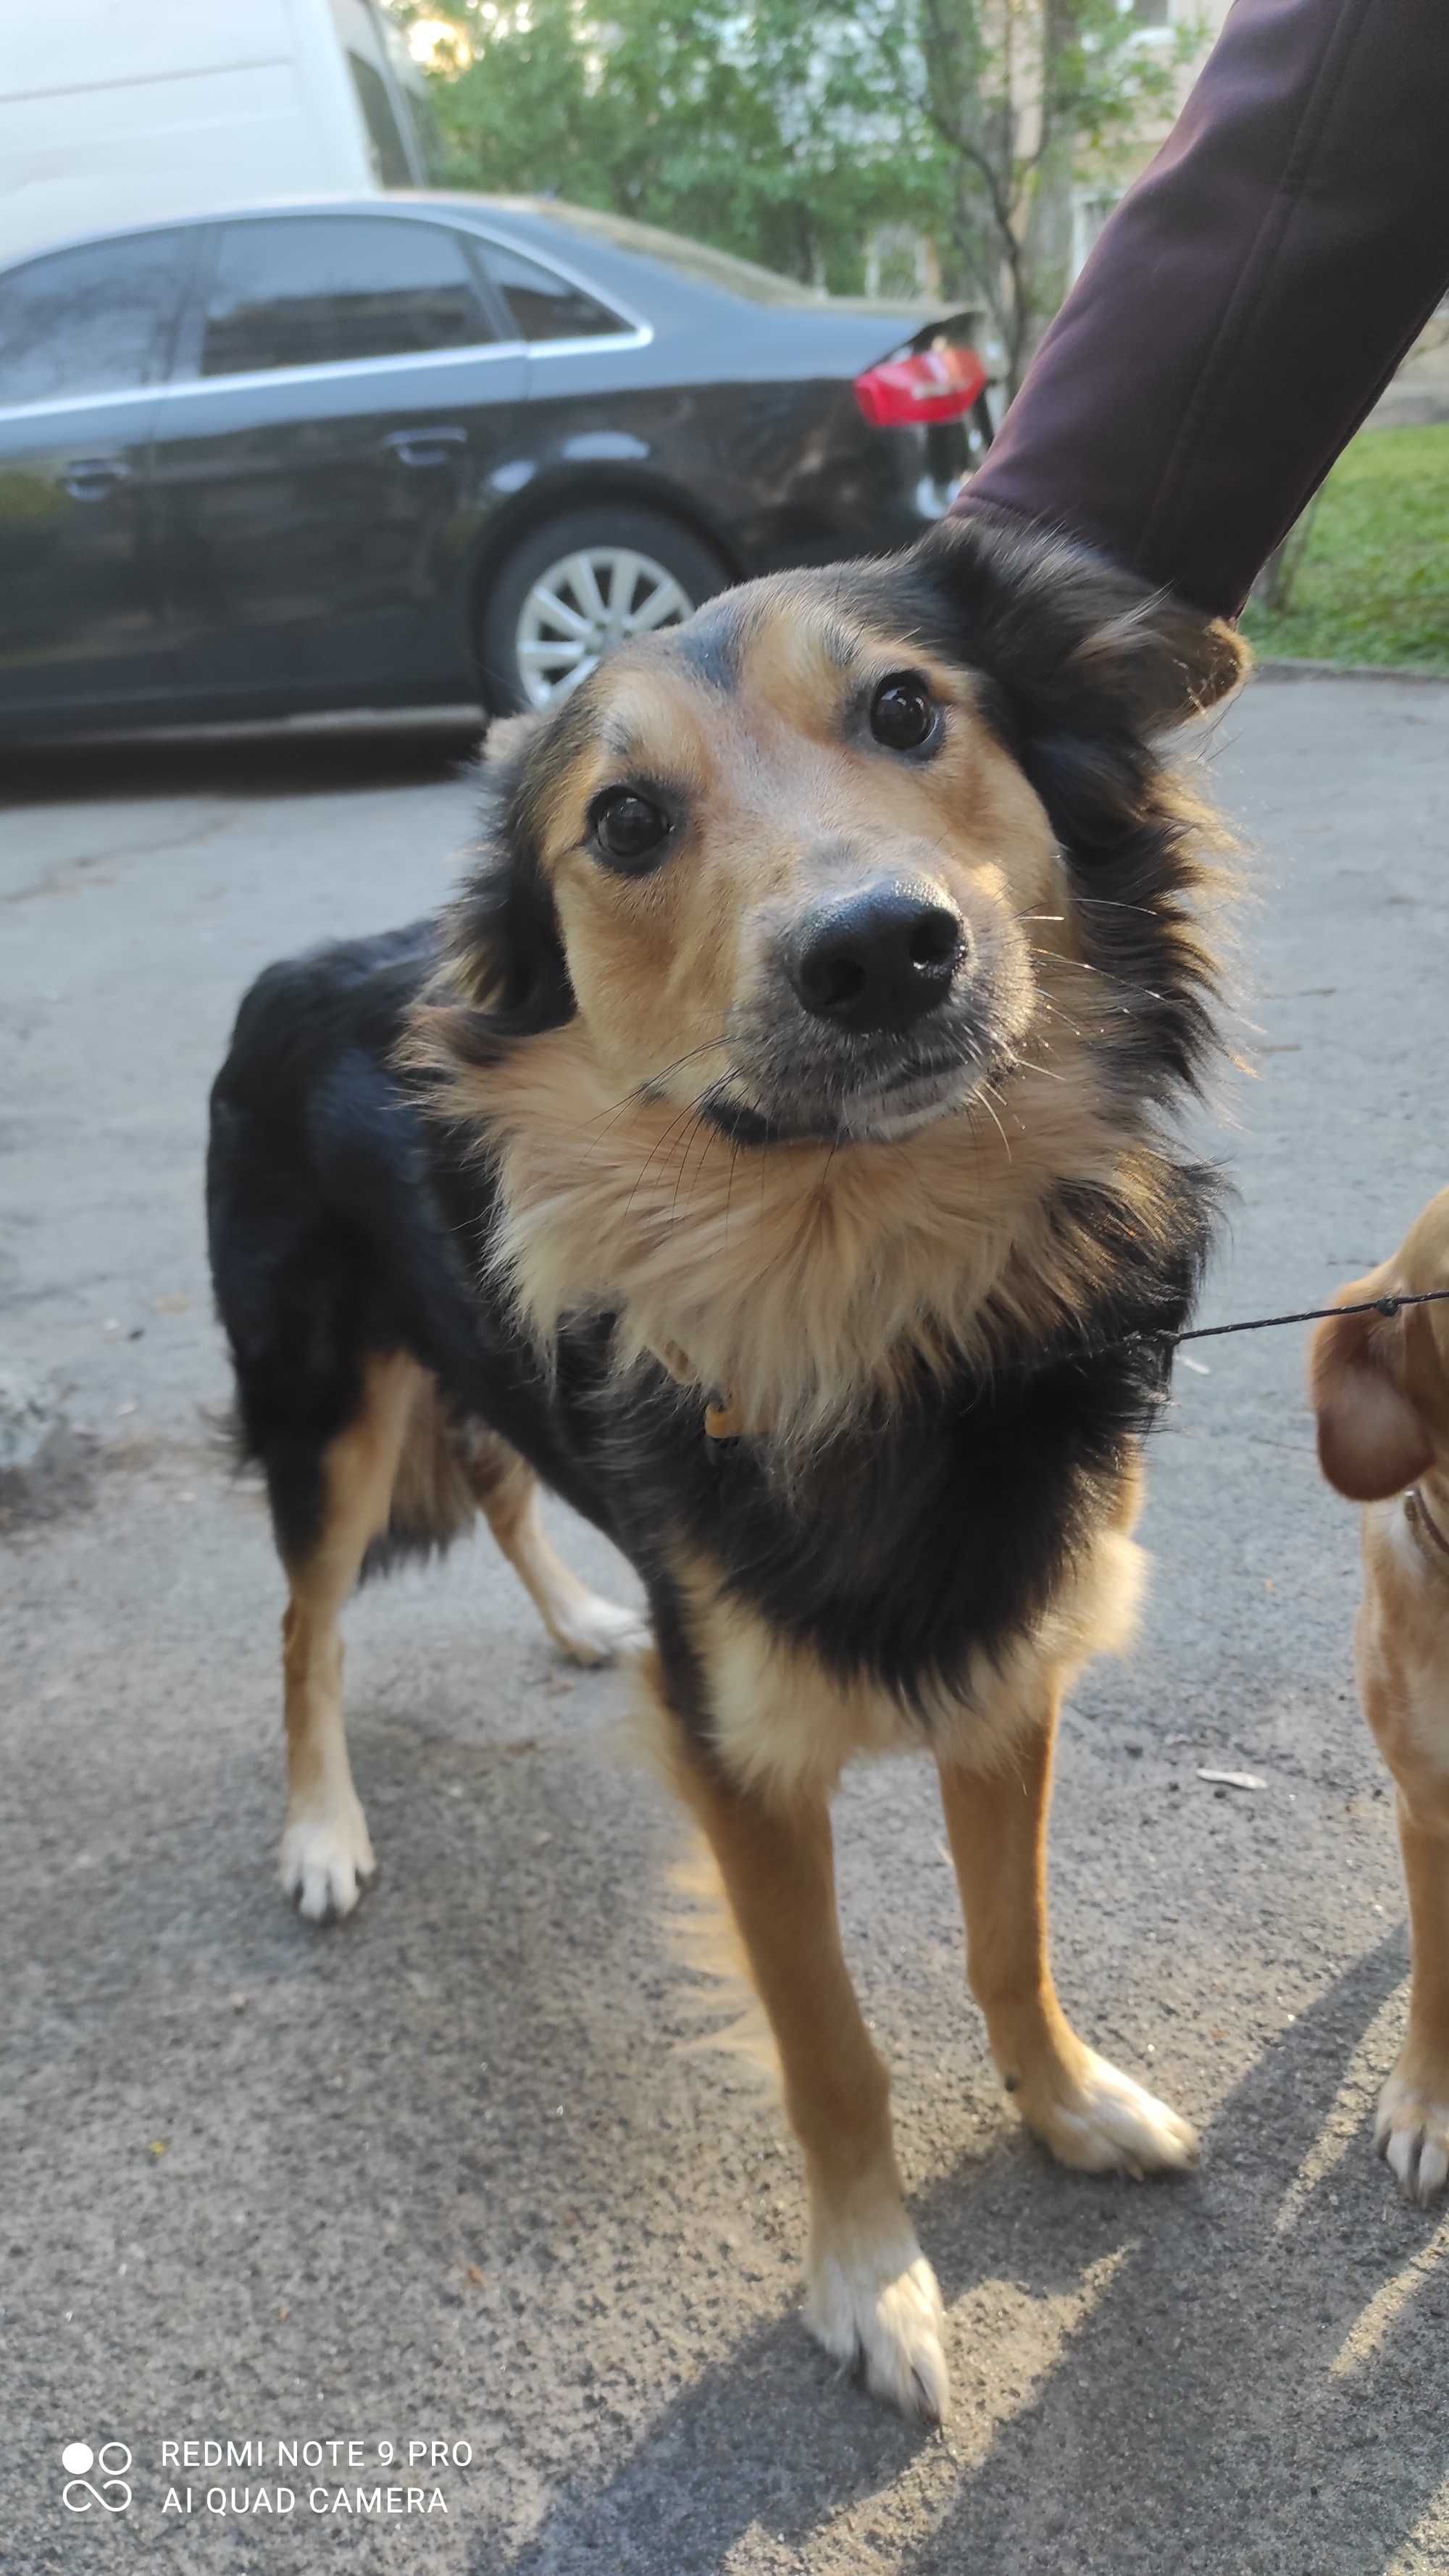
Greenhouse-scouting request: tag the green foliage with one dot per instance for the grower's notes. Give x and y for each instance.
(788, 131)
(1373, 583)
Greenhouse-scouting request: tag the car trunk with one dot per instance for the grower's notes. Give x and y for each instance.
(923, 367)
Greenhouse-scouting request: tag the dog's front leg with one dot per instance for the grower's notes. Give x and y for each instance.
(872, 2298)
(1412, 2127)
(1089, 2114)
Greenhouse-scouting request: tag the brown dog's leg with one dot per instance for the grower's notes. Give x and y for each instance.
(326, 1853)
(872, 2297)
(1089, 2114)
(1412, 2129)
(579, 1621)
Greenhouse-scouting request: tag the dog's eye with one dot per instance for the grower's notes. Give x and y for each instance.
(628, 829)
(902, 715)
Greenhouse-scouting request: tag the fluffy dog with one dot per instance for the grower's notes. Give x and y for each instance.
(771, 1151)
(1380, 1386)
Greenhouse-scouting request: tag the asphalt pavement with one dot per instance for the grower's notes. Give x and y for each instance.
(447, 2176)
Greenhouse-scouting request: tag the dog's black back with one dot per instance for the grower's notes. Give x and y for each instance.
(337, 1230)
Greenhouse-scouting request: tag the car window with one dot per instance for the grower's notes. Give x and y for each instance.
(385, 146)
(97, 320)
(307, 291)
(544, 305)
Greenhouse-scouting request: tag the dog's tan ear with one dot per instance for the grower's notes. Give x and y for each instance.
(1372, 1441)
(506, 736)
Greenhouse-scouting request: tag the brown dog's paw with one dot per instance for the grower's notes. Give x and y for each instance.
(1411, 2131)
(1096, 2119)
(880, 2314)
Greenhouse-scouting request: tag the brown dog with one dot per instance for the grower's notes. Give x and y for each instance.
(1381, 1391)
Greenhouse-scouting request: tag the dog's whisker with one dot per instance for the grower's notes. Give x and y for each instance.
(687, 1149)
(730, 1190)
(1057, 957)
(1057, 1013)
(660, 1146)
(652, 1080)
(698, 1127)
(984, 1096)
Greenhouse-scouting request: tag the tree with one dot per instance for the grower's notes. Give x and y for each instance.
(789, 131)
(1022, 98)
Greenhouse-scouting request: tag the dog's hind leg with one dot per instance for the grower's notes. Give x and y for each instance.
(872, 2298)
(585, 1626)
(1088, 2113)
(326, 1854)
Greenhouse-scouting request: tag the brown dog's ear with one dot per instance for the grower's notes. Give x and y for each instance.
(1372, 1441)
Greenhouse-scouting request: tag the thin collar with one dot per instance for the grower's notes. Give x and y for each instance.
(1432, 1542)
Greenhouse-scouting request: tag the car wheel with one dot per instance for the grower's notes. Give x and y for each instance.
(578, 586)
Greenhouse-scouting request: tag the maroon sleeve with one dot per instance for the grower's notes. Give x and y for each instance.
(1248, 300)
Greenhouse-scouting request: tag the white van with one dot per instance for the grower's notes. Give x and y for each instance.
(118, 112)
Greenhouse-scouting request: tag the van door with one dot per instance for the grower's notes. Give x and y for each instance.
(316, 472)
(85, 337)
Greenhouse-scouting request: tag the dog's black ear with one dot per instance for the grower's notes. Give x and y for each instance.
(1070, 638)
(1081, 667)
(507, 972)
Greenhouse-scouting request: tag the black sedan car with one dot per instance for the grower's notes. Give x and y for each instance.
(424, 449)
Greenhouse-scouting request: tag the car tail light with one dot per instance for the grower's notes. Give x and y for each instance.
(938, 383)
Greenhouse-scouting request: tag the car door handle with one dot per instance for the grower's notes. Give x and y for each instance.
(424, 446)
(90, 478)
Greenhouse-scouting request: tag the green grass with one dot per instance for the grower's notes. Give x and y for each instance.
(1373, 584)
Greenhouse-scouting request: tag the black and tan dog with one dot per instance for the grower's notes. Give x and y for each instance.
(770, 1153)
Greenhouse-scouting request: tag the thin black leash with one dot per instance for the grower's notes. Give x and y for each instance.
(1310, 1315)
(722, 1442)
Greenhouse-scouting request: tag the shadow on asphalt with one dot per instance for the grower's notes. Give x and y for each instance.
(325, 759)
(1201, 2414)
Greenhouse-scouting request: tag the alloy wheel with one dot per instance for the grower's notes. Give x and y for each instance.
(581, 606)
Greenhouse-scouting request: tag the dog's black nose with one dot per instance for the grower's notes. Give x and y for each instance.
(877, 958)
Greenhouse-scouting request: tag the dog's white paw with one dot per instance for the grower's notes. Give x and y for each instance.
(881, 2315)
(325, 1861)
(1096, 2119)
(594, 1631)
(1411, 2133)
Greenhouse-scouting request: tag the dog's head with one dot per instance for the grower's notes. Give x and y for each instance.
(801, 859)
(1380, 1383)
(876, 879)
